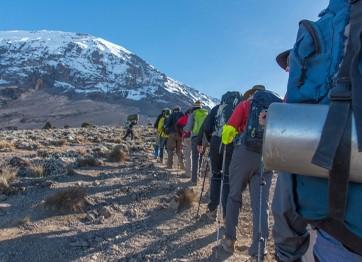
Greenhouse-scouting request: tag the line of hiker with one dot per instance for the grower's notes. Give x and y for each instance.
(311, 141)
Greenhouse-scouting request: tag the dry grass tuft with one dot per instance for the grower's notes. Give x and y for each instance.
(6, 145)
(36, 170)
(72, 199)
(7, 175)
(183, 198)
(117, 154)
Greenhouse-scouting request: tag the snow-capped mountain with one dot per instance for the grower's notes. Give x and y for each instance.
(81, 65)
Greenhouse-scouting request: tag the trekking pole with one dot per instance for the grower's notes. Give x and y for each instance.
(262, 184)
(219, 210)
(203, 187)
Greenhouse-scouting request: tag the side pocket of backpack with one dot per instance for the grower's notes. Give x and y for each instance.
(310, 62)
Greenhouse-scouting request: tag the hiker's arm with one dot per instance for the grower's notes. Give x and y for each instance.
(189, 124)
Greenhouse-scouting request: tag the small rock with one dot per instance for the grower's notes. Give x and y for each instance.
(106, 212)
(96, 183)
(3, 197)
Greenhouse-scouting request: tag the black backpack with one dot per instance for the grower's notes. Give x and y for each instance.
(253, 135)
(228, 103)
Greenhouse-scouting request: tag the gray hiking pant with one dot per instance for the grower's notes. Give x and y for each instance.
(187, 155)
(290, 233)
(195, 159)
(243, 171)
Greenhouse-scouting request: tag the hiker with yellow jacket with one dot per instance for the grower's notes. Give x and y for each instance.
(193, 125)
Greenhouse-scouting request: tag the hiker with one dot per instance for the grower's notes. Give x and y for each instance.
(162, 134)
(157, 142)
(193, 125)
(217, 118)
(186, 141)
(326, 70)
(174, 141)
(290, 234)
(129, 131)
(243, 126)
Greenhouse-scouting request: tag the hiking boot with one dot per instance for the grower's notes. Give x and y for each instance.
(228, 245)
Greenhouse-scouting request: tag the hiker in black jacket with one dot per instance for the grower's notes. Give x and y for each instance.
(174, 141)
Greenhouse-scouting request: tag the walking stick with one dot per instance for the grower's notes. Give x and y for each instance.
(203, 187)
(260, 233)
(219, 209)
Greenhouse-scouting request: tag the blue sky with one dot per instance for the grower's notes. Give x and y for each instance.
(211, 45)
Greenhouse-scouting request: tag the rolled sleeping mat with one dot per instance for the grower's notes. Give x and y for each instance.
(292, 135)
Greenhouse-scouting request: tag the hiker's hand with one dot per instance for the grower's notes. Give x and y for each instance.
(228, 134)
(200, 149)
(262, 118)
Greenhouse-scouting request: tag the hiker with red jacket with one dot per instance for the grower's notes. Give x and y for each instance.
(244, 169)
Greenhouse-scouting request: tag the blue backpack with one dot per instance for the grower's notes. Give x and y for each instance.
(325, 68)
(254, 133)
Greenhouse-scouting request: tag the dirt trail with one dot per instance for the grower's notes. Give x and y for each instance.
(128, 217)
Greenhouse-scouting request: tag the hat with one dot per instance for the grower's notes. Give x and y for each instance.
(197, 103)
(282, 59)
(251, 91)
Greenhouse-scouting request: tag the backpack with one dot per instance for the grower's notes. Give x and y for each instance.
(325, 68)
(253, 135)
(199, 118)
(228, 103)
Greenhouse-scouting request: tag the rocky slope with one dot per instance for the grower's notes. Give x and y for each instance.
(83, 67)
(113, 209)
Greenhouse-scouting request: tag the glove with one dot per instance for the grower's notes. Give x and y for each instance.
(228, 134)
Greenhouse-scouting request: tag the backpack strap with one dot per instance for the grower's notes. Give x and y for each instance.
(334, 149)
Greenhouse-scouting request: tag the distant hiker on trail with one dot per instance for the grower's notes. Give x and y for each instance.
(217, 118)
(174, 141)
(193, 125)
(243, 127)
(161, 132)
(186, 141)
(129, 131)
(157, 142)
(324, 70)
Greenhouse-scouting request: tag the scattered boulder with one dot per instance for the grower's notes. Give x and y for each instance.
(55, 167)
(47, 126)
(26, 146)
(86, 125)
(88, 161)
(106, 212)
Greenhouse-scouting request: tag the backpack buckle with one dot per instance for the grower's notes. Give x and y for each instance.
(341, 90)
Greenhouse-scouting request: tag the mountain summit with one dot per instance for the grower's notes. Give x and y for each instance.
(80, 67)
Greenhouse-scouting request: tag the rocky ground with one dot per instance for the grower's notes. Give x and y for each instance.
(86, 195)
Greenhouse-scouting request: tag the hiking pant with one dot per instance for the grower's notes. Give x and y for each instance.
(156, 147)
(290, 234)
(129, 132)
(174, 142)
(216, 157)
(196, 159)
(187, 155)
(244, 170)
(161, 147)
